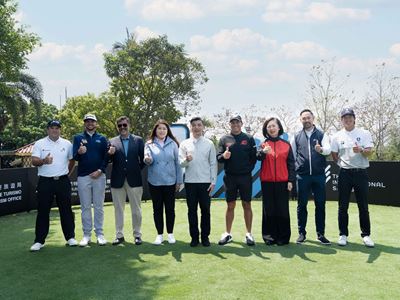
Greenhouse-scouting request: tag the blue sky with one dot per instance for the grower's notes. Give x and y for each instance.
(254, 52)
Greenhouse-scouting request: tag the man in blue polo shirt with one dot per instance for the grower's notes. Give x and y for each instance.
(90, 151)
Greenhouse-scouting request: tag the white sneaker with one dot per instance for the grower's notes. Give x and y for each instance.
(72, 242)
(249, 239)
(159, 239)
(368, 241)
(85, 241)
(171, 238)
(342, 240)
(101, 240)
(36, 247)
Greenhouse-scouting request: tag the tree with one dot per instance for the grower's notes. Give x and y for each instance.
(106, 107)
(154, 79)
(326, 96)
(14, 100)
(286, 116)
(31, 128)
(16, 88)
(379, 111)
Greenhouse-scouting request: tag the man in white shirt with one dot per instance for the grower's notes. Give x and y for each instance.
(53, 157)
(198, 156)
(350, 150)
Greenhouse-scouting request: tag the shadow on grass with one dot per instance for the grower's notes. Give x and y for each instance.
(373, 253)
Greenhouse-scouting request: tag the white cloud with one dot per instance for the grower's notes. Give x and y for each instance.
(54, 51)
(303, 50)
(395, 49)
(143, 33)
(171, 10)
(19, 16)
(188, 9)
(300, 11)
(229, 40)
(247, 64)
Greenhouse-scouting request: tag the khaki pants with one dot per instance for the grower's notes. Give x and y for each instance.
(119, 199)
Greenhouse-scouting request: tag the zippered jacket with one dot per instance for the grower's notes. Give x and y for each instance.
(309, 161)
(278, 165)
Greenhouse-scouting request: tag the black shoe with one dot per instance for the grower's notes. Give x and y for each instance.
(269, 242)
(225, 240)
(118, 241)
(282, 243)
(323, 240)
(205, 242)
(194, 243)
(138, 240)
(301, 239)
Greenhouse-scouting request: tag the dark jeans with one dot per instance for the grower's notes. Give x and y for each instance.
(47, 189)
(357, 179)
(163, 196)
(306, 185)
(275, 218)
(197, 194)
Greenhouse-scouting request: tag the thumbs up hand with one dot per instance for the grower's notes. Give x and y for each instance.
(111, 150)
(82, 149)
(48, 160)
(227, 153)
(267, 148)
(318, 147)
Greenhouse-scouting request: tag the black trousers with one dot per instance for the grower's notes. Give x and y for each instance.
(275, 218)
(47, 189)
(356, 179)
(197, 194)
(163, 196)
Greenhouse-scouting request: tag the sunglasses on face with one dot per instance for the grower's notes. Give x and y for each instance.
(122, 125)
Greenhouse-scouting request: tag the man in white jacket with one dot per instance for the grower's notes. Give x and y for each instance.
(198, 156)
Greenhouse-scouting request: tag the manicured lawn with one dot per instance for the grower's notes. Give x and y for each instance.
(234, 271)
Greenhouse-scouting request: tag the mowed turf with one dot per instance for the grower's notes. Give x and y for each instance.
(234, 271)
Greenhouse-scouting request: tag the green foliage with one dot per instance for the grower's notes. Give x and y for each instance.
(31, 128)
(16, 87)
(106, 107)
(153, 79)
(16, 43)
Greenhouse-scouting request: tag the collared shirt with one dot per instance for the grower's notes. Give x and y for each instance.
(60, 150)
(343, 142)
(125, 144)
(203, 167)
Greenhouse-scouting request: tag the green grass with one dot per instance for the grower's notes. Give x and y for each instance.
(234, 271)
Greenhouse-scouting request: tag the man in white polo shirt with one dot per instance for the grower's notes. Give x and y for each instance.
(53, 157)
(350, 150)
(198, 156)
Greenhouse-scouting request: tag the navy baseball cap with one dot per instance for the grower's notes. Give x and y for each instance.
(235, 118)
(52, 123)
(347, 111)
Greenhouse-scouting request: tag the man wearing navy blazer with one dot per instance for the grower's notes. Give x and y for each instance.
(126, 154)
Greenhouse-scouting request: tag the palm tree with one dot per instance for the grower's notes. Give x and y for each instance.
(14, 98)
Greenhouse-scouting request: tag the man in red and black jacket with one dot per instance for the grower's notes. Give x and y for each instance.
(277, 177)
(237, 151)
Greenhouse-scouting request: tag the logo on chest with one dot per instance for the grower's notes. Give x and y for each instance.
(244, 143)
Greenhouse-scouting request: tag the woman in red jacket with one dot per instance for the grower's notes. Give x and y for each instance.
(277, 177)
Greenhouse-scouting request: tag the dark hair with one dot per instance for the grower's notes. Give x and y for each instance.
(123, 118)
(264, 128)
(169, 132)
(306, 110)
(194, 119)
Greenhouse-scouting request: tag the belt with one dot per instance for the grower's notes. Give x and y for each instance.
(354, 170)
(54, 178)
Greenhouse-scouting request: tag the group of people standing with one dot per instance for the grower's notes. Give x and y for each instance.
(285, 165)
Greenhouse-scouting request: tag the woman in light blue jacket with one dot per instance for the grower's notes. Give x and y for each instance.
(164, 177)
